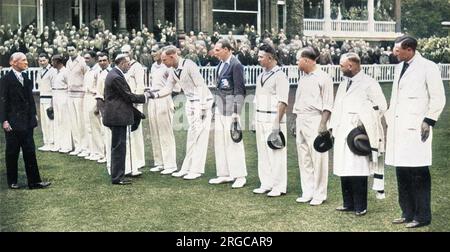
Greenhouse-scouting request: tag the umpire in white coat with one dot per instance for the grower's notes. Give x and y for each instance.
(417, 100)
(355, 95)
(271, 100)
(229, 98)
(198, 105)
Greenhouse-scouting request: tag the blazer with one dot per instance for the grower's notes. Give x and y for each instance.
(17, 103)
(230, 92)
(119, 99)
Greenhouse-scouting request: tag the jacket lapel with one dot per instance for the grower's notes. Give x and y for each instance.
(17, 84)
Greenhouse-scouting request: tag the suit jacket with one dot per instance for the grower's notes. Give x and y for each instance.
(230, 88)
(119, 99)
(17, 103)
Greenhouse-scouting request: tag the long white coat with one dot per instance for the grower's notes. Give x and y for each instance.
(365, 92)
(419, 95)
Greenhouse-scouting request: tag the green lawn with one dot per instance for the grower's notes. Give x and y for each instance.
(81, 197)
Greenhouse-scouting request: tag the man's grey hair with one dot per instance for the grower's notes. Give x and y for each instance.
(15, 56)
(119, 58)
(353, 57)
(169, 50)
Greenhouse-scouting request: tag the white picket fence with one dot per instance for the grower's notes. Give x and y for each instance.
(382, 73)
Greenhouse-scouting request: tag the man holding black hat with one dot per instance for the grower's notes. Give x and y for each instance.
(230, 155)
(271, 99)
(417, 100)
(313, 105)
(357, 96)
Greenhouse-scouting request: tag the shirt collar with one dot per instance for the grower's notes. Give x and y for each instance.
(413, 58)
(228, 60)
(120, 70)
(273, 70)
(180, 64)
(358, 76)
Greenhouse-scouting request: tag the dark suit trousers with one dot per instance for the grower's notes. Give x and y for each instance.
(118, 152)
(414, 193)
(354, 192)
(15, 140)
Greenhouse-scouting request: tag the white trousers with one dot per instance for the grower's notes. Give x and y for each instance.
(230, 156)
(197, 138)
(107, 138)
(47, 125)
(63, 137)
(77, 123)
(135, 158)
(272, 164)
(93, 129)
(160, 113)
(313, 165)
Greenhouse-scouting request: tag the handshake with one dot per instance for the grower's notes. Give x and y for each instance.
(149, 94)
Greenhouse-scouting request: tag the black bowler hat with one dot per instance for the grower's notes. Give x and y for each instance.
(236, 132)
(50, 113)
(358, 141)
(276, 141)
(323, 143)
(138, 115)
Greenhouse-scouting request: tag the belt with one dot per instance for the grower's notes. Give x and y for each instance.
(59, 88)
(267, 112)
(197, 100)
(46, 97)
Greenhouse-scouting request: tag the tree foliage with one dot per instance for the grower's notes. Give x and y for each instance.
(422, 18)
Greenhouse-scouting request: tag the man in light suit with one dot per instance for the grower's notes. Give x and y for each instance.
(44, 80)
(417, 100)
(230, 156)
(186, 74)
(356, 95)
(119, 114)
(135, 153)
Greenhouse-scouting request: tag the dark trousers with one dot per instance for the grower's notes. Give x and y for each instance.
(414, 193)
(16, 140)
(118, 152)
(354, 192)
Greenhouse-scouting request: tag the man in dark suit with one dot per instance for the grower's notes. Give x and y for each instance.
(18, 119)
(230, 156)
(119, 113)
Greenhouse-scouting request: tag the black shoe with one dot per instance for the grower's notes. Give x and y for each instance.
(14, 186)
(361, 213)
(400, 221)
(39, 185)
(122, 182)
(344, 209)
(416, 224)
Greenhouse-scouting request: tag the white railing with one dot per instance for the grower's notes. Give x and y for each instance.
(313, 24)
(348, 25)
(382, 73)
(384, 26)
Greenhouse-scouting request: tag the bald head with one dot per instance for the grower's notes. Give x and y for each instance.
(350, 64)
(169, 56)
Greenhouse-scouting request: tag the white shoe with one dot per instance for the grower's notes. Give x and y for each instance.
(45, 148)
(83, 154)
(64, 151)
(303, 200)
(274, 193)
(94, 157)
(136, 173)
(315, 202)
(157, 168)
(75, 152)
(380, 195)
(54, 149)
(102, 160)
(191, 176)
(168, 171)
(179, 174)
(220, 180)
(239, 182)
(260, 190)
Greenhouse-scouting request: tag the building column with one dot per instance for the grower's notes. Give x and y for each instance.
(40, 16)
(371, 10)
(327, 15)
(159, 11)
(206, 16)
(398, 16)
(180, 16)
(122, 16)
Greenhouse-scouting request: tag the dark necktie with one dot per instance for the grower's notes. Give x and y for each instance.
(224, 68)
(405, 66)
(349, 84)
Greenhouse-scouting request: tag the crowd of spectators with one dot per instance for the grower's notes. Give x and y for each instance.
(197, 47)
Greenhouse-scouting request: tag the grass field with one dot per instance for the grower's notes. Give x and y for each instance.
(81, 197)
